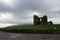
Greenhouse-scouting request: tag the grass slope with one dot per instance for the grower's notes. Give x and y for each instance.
(37, 29)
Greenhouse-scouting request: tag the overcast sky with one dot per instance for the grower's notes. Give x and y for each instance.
(22, 11)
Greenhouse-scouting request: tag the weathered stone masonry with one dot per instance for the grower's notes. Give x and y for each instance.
(41, 20)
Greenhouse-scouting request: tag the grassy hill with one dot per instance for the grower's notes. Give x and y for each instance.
(33, 29)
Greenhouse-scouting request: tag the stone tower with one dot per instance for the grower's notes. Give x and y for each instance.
(44, 19)
(41, 20)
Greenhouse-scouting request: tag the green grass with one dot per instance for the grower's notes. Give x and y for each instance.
(33, 29)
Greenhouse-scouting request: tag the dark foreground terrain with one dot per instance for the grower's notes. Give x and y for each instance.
(14, 36)
(33, 29)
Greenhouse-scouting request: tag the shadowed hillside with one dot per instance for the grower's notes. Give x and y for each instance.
(37, 29)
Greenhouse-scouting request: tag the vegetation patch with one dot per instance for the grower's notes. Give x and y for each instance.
(33, 29)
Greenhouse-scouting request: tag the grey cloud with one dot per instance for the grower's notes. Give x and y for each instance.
(20, 8)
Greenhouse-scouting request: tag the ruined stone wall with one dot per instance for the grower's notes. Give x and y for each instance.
(41, 20)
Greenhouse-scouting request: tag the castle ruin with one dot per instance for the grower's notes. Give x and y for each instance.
(41, 20)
